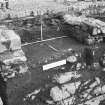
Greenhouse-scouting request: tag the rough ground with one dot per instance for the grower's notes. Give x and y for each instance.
(19, 87)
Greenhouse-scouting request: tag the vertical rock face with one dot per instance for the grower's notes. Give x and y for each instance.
(13, 66)
(11, 53)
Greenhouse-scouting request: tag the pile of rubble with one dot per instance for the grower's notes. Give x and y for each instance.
(89, 30)
(73, 91)
(12, 58)
(88, 8)
(70, 88)
(79, 85)
(76, 85)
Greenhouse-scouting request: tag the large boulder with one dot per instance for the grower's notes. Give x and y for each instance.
(64, 92)
(9, 40)
(66, 77)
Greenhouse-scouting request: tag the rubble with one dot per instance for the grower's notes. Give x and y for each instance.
(13, 57)
(89, 30)
(68, 101)
(95, 101)
(66, 90)
(65, 77)
(68, 83)
(90, 92)
(72, 19)
(32, 95)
